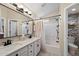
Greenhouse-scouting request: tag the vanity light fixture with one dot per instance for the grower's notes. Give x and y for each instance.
(20, 6)
(73, 9)
(25, 10)
(14, 4)
(29, 12)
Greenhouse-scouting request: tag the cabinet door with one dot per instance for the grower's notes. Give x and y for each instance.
(23, 51)
(30, 49)
(37, 47)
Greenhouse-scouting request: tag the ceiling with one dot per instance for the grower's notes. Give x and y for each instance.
(42, 9)
(73, 7)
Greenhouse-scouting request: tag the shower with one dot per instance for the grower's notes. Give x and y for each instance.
(51, 34)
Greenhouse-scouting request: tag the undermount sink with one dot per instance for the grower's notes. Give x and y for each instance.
(17, 43)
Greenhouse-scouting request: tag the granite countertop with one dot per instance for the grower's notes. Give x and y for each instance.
(6, 50)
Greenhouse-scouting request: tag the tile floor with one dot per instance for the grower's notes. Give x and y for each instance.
(53, 52)
(47, 54)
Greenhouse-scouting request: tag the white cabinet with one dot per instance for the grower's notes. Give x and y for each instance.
(31, 49)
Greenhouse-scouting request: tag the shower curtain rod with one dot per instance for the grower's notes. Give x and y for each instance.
(47, 17)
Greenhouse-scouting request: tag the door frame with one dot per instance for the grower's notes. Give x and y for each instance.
(66, 29)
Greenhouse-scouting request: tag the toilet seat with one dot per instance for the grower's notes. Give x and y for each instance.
(73, 45)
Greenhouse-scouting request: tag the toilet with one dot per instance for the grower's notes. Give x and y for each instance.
(72, 47)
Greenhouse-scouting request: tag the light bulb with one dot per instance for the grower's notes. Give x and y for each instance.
(20, 5)
(73, 9)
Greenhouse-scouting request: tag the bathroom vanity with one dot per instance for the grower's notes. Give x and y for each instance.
(28, 47)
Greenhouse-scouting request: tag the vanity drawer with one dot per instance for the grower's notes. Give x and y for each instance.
(30, 49)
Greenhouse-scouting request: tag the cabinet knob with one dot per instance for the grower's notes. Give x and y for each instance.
(37, 45)
(31, 51)
(16, 54)
(31, 45)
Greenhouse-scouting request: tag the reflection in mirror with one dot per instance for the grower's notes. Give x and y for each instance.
(30, 24)
(24, 28)
(1, 28)
(27, 29)
(12, 28)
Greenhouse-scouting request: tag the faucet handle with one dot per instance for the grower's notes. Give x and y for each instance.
(8, 41)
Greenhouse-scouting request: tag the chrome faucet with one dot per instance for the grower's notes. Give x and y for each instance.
(7, 43)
